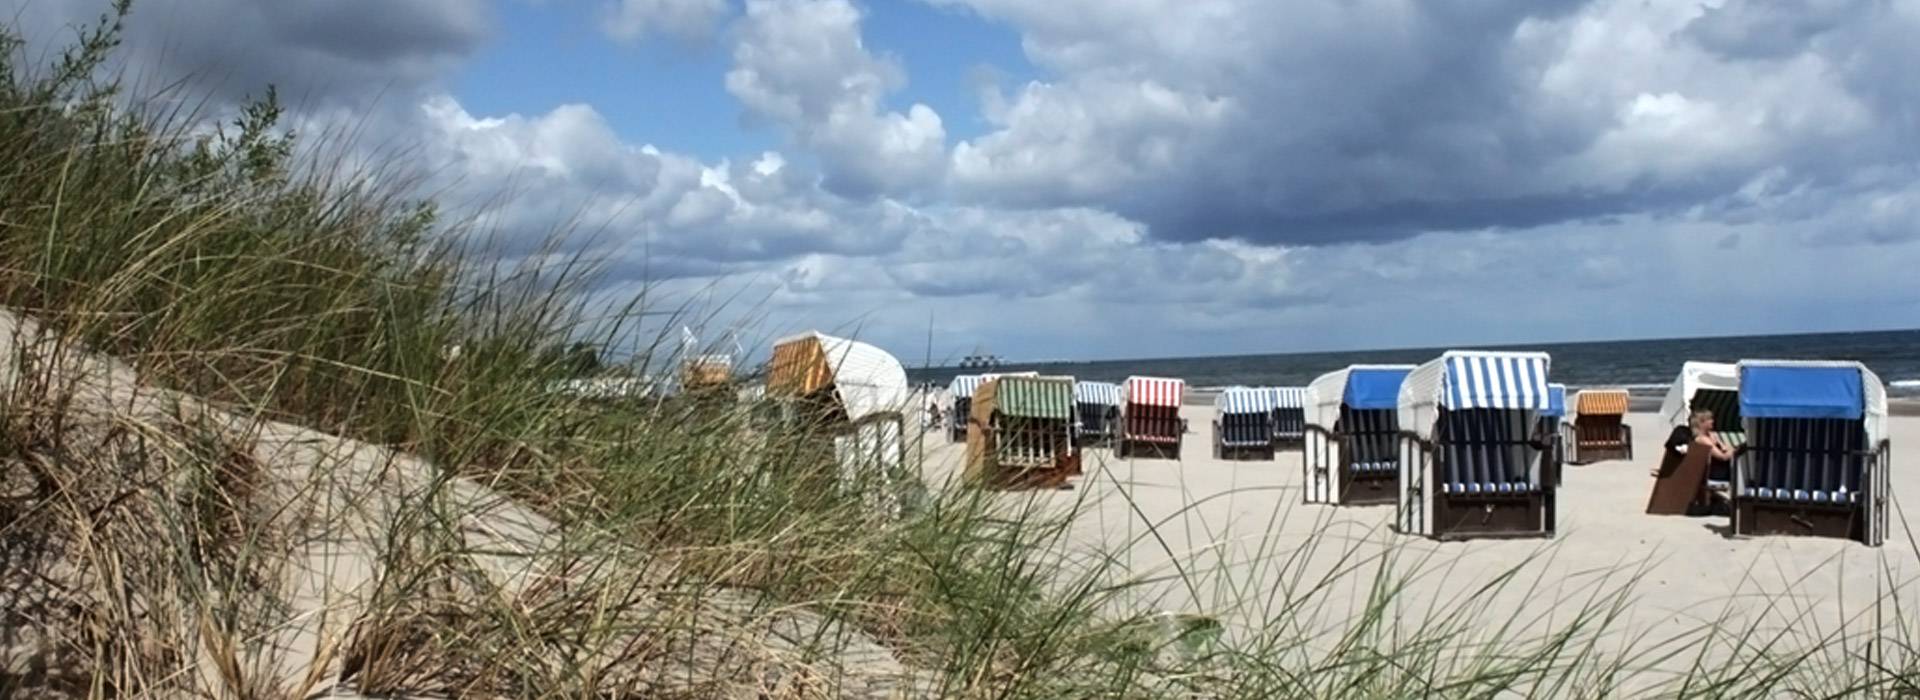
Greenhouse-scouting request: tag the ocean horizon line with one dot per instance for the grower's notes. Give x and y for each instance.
(1413, 348)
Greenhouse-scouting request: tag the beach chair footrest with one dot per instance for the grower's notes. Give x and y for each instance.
(1756, 517)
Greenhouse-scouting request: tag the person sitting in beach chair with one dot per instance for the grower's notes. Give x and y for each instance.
(1680, 486)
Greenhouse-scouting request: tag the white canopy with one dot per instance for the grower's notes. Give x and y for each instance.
(1695, 376)
(868, 379)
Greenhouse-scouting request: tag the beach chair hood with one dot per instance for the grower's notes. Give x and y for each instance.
(1695, 376)
(1245, 399)
(1153, 391)
(1601, 402)
(1814, 389)
(866, 380)
(1556, 400)
(1366, 387)
(1466, 379)
(963, 386)
(1103, 393)
(1028, 396)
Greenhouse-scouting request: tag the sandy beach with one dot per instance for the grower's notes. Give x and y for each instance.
(1237, 544)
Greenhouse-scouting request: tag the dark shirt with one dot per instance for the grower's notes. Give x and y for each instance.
(1717, 469)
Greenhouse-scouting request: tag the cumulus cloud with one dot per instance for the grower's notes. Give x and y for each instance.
(801, 64)
(632, 20)
(1318, 123)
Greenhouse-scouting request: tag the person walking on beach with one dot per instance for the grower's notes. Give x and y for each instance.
(1680, 485)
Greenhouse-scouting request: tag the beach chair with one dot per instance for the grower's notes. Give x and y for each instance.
(1473, 462)
(1098, 404)
(1020, 434)
(1708, 386)
(1150, 416)
(1600, 431)
(1817, 457)
(961, 389)
(1243, 423)
(1350, 452)
(701, 373)
(1554, 421)
(849, 398)
(1289, 414)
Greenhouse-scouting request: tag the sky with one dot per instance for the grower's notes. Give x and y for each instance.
(1091, 179)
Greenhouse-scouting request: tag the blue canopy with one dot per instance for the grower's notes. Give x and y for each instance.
(1372, 389)
(1556, 400)
(1801, 391)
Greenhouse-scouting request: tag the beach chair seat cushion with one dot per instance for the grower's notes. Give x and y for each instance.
(1804, 496)
(1384, 467)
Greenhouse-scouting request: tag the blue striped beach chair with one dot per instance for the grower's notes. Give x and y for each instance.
(1289, 413)
(1097, 407)
(1244, 422)
(1350, 450)
(961, 390)
(1473, 461)
(1817, 457)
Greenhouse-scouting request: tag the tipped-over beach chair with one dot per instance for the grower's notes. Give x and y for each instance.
(1098, 404)
(1351, 452)
(1473, 461)
(1600, 431)
(1289, 413)
(851, 395)
(1817, 456)
(1020, 433)
(1244, 423)
(1150, 416)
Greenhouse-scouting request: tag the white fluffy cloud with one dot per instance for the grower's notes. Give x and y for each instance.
(801, 64)
(1326, 122)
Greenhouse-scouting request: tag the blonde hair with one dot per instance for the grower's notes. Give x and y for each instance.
(1694, 419)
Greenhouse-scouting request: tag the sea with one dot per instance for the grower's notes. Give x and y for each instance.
(1644, 367)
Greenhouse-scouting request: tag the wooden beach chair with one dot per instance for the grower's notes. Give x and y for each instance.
(1150, 417)
(1020, 434)
(849, 399)
(1473, 460)
(1817, 457)
(1289, 414)
(1099, 413)
(1599, 428)
(1351, 452)
(1243, 424)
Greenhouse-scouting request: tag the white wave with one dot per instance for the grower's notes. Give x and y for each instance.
(1905, 384)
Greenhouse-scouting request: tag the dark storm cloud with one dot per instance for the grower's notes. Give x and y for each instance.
(314, 51)
(1770, 29)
